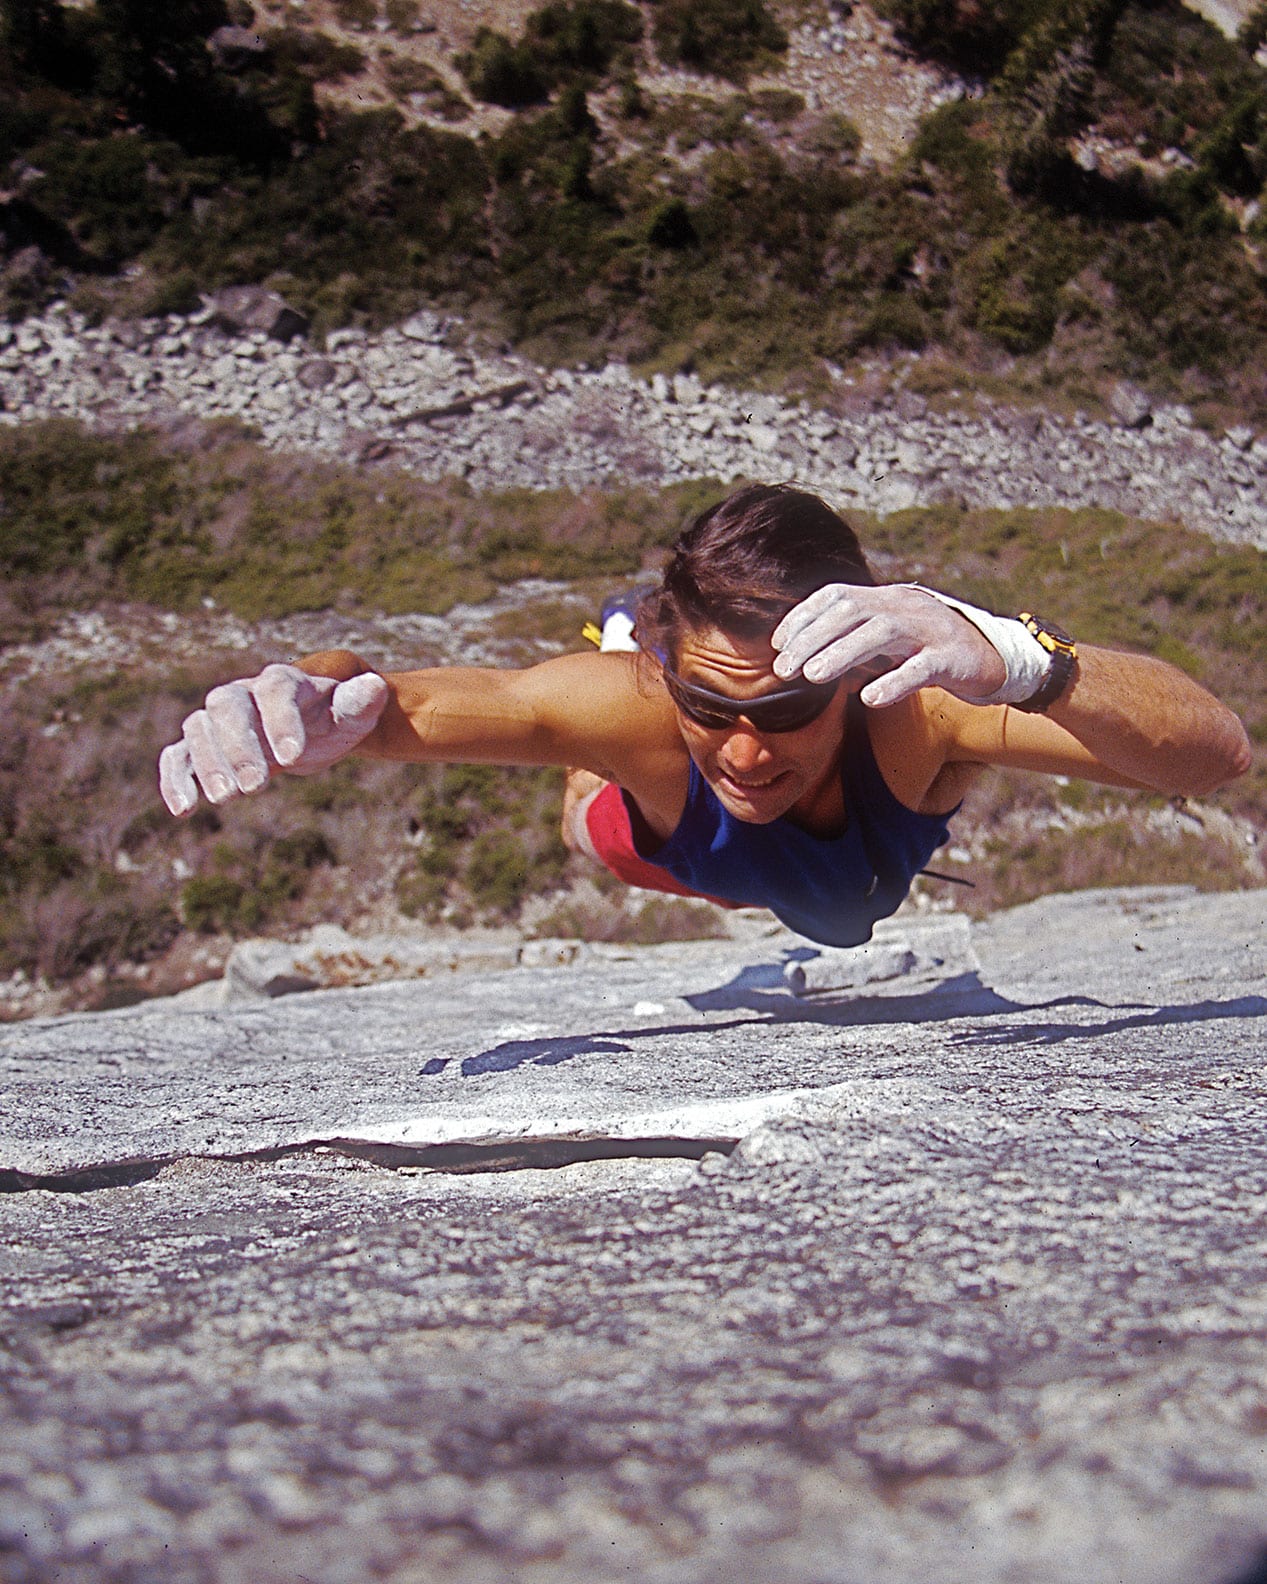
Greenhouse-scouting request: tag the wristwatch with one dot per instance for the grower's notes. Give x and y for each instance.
(1063, 654)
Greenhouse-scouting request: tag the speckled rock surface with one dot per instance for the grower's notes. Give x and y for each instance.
(979, 1293)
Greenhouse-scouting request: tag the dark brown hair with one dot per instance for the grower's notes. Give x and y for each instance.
(743, 564)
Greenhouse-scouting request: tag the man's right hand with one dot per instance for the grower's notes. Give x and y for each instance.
(282, 719)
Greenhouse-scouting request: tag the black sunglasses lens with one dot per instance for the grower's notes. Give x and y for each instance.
(702, 715)
(788, 714)
(785, 711)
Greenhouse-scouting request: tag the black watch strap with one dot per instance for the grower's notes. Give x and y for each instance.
(1063, 661)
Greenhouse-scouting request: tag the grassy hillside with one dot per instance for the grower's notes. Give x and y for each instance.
(734, 229)
(102, 892)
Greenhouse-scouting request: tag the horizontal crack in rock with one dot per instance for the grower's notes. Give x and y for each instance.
(527, 1154)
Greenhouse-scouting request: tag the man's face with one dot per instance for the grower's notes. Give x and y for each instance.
(757, 776)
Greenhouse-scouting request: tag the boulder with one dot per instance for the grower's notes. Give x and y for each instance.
(1130, 406)
(930, 950)
(910, 407)
(28, 271)
(233, 48)
(424, 326)
(317, 373)
(329, 957)
(241, 309)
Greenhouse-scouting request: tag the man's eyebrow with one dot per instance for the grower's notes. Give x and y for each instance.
(694, 681)
(784, 688)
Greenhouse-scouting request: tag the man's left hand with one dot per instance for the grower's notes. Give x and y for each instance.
(917, 642)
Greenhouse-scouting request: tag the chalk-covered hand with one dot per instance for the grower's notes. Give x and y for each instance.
(906, 635)
(282, 719)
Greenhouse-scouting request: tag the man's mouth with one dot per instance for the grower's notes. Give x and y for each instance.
(750, 784)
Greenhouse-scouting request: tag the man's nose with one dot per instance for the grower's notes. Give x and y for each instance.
(745, 749)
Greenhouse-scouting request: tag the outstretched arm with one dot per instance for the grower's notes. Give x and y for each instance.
(1125, 719)
(589, 710)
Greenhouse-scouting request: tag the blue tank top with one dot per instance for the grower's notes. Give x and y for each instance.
(830, 890)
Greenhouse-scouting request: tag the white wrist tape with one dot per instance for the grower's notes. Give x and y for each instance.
(1026, 660)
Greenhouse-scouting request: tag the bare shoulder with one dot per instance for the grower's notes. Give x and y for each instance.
(617, 719)
(609, 711)
(914, 743)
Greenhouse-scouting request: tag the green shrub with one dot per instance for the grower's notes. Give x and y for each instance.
(567, 41)
(173, 294)
(782, 105)
(1234, 150)
(671, 226)
(314, 56)
(301, 850)
(109, 930)
(85, 517)
(503, 73)
(33, 33)
(724, 37)
(626, 920)
(1252, 33)
(1118, 852)
(421, 894)
(251, 886)
(416, 79)
(832, 134)
(356, 13)
(37, 857)
(212, 903)
(499, 873)
(979, 35)
(403, 15)
(895, 321)
(582, 37)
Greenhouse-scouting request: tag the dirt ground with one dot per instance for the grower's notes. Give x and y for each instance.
(851, 64)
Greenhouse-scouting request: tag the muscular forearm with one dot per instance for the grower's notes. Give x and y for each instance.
(455, 713)
(578, 709)
(1149, 723)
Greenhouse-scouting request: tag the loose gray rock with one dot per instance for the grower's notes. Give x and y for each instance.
(317, 373)
(328, 957)
(454, 407)
(234, 48)
(849, 970)
(934, 950)
(424, 326)
(244, 308)
(1130, 406)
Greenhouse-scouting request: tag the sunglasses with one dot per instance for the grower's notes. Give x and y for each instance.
(785, 710)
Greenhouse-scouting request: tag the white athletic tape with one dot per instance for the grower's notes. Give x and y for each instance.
(1026, 660)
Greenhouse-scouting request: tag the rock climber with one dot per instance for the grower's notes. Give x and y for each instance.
(770, 727)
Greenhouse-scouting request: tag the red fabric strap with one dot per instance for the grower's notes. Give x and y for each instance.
(607, 820)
